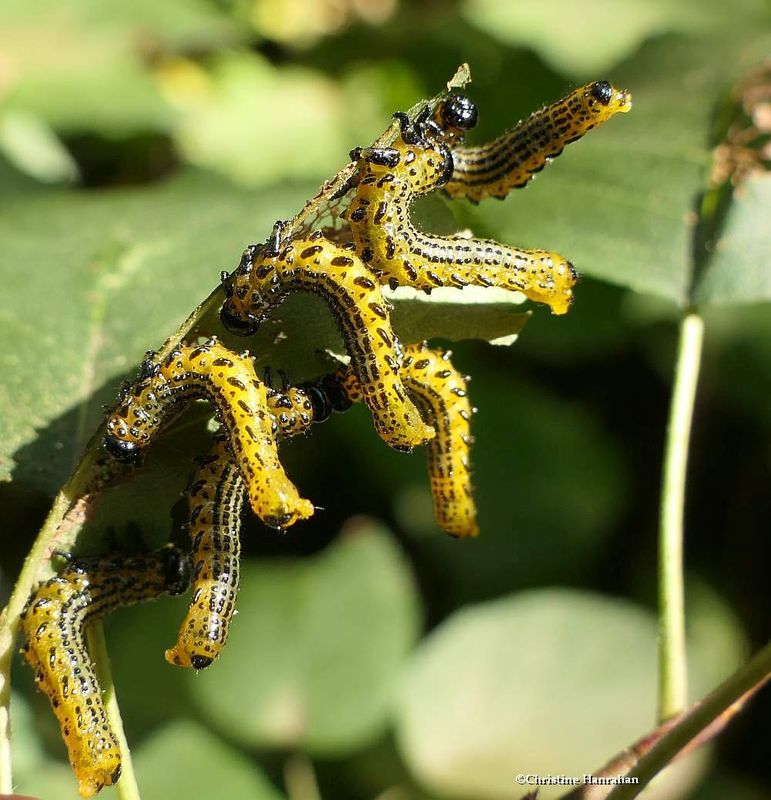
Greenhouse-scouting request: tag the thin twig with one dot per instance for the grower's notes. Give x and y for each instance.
(754, 673)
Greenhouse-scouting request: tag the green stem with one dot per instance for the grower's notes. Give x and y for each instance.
(300, 779)
(673, 682)
(754, 672)
(126, 788)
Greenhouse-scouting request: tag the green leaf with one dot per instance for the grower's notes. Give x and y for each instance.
(256, 123)
(316, 648)
(531, 684)
(739, 265)
(622, 203)
(184, 760)
(588, 38)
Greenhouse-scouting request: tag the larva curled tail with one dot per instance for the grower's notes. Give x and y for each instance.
(268, 273)
(53, 623)
(399, 253)
(440, 392)
(215, 499)
(229, 381)
(510, 161)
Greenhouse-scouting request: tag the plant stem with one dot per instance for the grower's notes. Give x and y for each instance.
(126, 788)
(756, 671)
(300, 778)
(673, 680)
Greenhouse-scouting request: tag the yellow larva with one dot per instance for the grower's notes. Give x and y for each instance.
(215, 498)
(268, 273)
(423, 159)
(53, 624)
(228, 380)
(440, 392)
(511, 160)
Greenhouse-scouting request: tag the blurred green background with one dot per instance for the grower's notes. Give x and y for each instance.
(144, 143)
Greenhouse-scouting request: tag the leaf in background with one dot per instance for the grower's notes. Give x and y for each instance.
(255, 122)
(184, 760)
(531, 684)
(584, 39)
(621, 204)
(316, 649)
(29, 143)
(739, 268)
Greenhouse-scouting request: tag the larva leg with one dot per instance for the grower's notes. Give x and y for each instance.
(53, 623)
(510, 161)
(398, 253)
(212, 371)
(215, 498)
(440, 392)
(268, 273)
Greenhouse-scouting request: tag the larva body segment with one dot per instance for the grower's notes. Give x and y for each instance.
(53, 623)
(510, 161)
(400, 254)
(267, 274)
(215, 499)
(440, 392)
(229, 381)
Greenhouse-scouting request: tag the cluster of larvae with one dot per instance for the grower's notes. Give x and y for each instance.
(415, 395)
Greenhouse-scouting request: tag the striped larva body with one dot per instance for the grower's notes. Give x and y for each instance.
(54, 622)
(215, 499)
(510, 161)
(229, 381)
(268, 273)
(440, 392)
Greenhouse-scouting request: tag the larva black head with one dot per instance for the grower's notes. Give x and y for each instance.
(459, 113)
(176, 570)
(322, 409)
(602, 92)
(236, 324)
(200, 662)
(336, 395)
(120, 450)
(279, 522)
